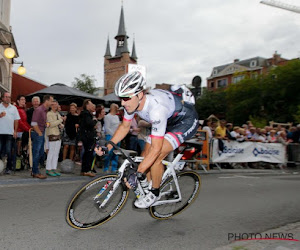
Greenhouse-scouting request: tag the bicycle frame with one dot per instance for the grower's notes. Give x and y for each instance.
(170, 171)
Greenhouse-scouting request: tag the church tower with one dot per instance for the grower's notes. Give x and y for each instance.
(116, 66)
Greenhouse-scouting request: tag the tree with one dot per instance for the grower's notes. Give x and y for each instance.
(85, 83)
(211, 102)
(271, 97)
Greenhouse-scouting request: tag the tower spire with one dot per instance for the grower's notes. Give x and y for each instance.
(107, 52)
(133, 54)
(121, 37)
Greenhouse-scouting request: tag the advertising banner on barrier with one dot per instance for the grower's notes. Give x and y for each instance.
(248, 152)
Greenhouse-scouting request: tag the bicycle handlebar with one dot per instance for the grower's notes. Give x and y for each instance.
(134, 164)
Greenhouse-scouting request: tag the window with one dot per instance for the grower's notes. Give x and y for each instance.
(120, 43)
(254, 75)
(253, 63)
(222, 83)
(215, 72)
(212, 85)
(237, 79)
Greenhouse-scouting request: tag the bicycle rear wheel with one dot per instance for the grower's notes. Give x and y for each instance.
(83, 210)
(189, 183)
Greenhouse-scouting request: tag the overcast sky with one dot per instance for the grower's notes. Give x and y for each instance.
(176, 40)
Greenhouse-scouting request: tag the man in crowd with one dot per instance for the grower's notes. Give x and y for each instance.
(111, 123)
(220, 131)
(35, 101)
(87, 134)
(9, 118)
(39, 120)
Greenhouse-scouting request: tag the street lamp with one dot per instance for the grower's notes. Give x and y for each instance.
(9, 52)
(21, 69)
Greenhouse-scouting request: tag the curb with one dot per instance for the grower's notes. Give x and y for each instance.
(24, 178)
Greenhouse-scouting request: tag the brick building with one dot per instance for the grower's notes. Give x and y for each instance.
(116, 66)
(224, 75)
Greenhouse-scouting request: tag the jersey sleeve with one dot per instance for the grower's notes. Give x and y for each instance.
(158, 119)
(127, 117)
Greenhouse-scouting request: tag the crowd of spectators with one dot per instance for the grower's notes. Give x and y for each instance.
(248, 132)
(58, 136)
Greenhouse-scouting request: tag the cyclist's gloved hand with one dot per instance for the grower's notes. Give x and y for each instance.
(130, 178)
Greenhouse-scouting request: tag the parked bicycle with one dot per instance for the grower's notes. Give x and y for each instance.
(102, 198)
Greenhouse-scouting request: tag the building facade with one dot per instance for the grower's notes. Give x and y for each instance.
(116, 66)
(6, 40)
(224, 75)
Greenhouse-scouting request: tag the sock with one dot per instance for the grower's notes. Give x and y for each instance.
(155, 191)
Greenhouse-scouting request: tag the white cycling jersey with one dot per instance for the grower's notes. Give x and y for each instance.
(159, 107)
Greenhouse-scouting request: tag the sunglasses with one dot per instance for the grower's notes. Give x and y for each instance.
(126, 98)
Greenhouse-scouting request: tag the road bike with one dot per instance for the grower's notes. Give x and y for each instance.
(102, 198)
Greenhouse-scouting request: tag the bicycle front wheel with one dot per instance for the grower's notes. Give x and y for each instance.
(84, 211)
(189, 183)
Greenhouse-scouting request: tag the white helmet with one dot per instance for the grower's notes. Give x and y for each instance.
(130, 83)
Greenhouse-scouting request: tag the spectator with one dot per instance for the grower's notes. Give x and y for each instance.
(258, 136)
(133, 135)
(220, 131)
(268, 129)
(290, 133)
(23, 126)
(87, 135)
(70, 132)
(281, 138)
(246, 128)
(54, 123)
(272, 137)
(264, 134)
(236, 134)
(243, 135)
(251, 135)
(9, 118)
(228, 131)
(38, 123)
(100, 114)
(143, 133)
(296, 135)
(111, 123)
(35, 101)
(207, 127)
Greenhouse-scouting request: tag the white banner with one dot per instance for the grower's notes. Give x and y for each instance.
(137, 67)
(248, 152)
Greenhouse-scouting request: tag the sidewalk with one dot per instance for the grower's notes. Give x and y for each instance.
(289, 239)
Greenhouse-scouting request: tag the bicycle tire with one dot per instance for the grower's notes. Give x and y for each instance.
(189, 183)
(82, 210)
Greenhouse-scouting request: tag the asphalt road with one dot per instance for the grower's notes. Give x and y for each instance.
(32, 215)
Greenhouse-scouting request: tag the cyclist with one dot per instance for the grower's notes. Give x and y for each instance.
(173, 121)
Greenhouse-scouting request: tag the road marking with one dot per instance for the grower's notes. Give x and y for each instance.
(238, 176)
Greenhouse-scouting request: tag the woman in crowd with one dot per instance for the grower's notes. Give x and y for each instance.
(54, 123)
(272, 137)
(100, 113)
(207, 127)
(70, 133)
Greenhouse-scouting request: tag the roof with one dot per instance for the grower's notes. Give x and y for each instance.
(253, 63)
(111, 98)
(66, 95)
